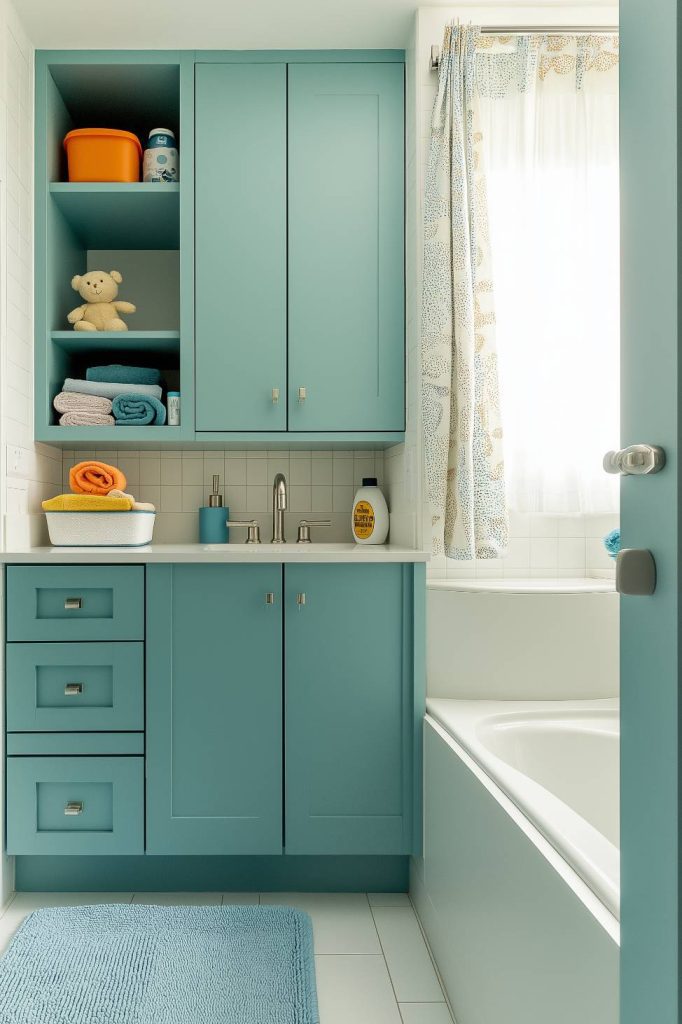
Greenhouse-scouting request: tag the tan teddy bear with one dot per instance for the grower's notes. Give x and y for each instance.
(99, 311)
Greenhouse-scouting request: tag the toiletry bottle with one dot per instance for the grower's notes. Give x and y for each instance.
(173, 408)
(370, 514)
(213, 517)
(160, 161)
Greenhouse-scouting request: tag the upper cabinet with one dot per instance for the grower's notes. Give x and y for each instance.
(346, 252)
(269, 282)
(241, 247)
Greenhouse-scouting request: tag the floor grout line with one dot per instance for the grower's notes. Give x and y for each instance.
(433, 959)
(383, 953)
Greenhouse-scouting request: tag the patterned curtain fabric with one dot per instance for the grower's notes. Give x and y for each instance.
(460, 404)
(548, 112)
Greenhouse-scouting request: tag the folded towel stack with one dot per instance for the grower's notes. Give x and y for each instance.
(89, 402)
(96, 487)
(83, 410)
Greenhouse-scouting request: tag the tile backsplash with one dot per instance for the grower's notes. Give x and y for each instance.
(543, 545)
(320, 484)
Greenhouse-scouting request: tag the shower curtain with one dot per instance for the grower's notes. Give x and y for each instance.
(460, 401)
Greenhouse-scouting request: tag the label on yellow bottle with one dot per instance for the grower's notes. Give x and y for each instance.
(363, 520)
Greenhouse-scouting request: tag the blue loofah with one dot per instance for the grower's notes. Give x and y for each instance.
(612, 542)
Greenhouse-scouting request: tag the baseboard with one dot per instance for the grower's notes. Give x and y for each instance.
(212, 874)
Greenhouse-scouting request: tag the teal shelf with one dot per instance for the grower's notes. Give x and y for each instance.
(110, 437)
(115, 215)
(91, 342)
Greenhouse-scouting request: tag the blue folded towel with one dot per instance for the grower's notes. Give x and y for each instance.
(116, 373)
(134, 410)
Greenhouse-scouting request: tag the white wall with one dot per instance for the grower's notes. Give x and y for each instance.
(539, 545)
(28, 470)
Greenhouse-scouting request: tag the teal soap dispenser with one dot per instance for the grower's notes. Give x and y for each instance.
(213, 517)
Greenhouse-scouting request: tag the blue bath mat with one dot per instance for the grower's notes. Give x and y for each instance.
(160, 965)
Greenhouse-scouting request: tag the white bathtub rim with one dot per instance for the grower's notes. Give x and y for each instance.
(529, 586)
(597, 884)
(579, 887)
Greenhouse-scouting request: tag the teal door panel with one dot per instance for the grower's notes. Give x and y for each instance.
(75, 602)
(214, 709)
(75, 805)
(240, 239)
(348, 710)
(75, 687)
(346, 249)
(650, 626)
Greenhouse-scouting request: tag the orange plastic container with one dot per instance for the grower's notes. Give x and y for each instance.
(103, 154)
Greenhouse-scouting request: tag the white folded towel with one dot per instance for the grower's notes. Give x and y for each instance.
(73, 401)
(86, 419)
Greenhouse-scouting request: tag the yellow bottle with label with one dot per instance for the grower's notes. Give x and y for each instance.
(370, 514)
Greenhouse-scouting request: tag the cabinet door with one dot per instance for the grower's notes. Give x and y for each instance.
(214, 709)
(240, 227)
(348, 720)
(346, 251)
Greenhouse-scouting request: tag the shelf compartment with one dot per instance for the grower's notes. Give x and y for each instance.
(118, 215)
(111, 437)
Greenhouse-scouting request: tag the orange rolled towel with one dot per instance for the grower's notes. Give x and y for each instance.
(96, 478)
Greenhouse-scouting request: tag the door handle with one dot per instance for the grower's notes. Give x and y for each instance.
(302, 394)
(300, 600)
(635, 572)
(637, 460)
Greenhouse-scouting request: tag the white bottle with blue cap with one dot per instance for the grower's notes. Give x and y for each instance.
(370, 514)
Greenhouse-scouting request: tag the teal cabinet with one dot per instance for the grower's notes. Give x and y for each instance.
(75, 687)
(75, 805)
(349, 715)
(75, 602)
(346, 248)
(240, 250)
(214, 709)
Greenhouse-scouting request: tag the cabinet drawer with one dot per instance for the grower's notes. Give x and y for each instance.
(75, 687)
(80, 805)
(75, 602)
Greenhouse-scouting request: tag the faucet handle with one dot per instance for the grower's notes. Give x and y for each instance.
(252, 527)
(304, 529)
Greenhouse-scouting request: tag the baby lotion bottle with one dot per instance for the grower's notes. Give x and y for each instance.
(370, 514)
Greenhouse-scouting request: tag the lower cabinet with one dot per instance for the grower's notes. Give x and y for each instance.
(348, 710)
(214, 709)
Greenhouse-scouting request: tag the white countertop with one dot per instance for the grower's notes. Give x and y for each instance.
(360, 553)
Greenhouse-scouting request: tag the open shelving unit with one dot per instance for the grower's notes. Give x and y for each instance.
(135, 228)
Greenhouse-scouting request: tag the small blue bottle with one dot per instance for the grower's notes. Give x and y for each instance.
(213, 517)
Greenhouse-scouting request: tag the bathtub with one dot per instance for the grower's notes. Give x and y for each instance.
(518, 885)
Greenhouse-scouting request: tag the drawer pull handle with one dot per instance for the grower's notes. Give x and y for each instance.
(73, 807)
(270, 598)
(300, 600)
(72, 603)
(73, 689)
(302, 394)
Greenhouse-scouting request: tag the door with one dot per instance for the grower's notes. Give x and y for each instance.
(240, 227)
(214, 709)
(650, 706)
(348, 686)
(346, 254)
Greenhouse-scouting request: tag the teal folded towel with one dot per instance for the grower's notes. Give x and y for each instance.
(138, 411)
(116, 373)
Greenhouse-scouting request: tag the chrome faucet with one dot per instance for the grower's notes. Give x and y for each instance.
(279, 504)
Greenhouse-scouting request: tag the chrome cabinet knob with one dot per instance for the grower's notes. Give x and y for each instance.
(275, 396)
(73, 603)
(302, 394)
(73, 689)
(636, 460)
(300, 600)
(73, 807)
(304, 529)
(270, 598)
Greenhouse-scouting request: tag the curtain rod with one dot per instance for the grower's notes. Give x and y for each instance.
(550, 30)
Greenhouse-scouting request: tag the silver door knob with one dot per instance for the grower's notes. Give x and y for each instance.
(636, 460)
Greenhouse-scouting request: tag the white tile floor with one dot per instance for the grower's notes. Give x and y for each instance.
(373, 966)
